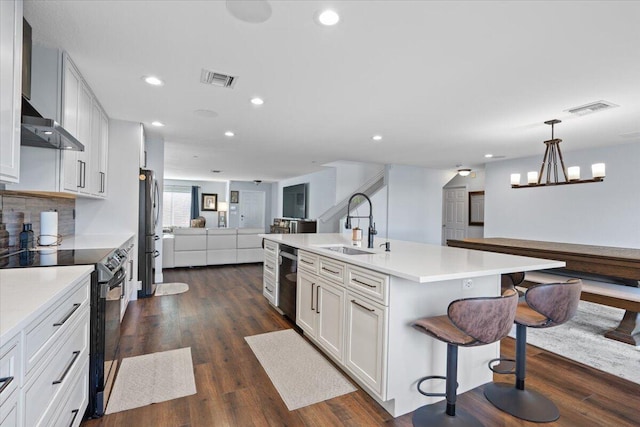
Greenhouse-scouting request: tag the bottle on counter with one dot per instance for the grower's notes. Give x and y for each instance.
(26, 237)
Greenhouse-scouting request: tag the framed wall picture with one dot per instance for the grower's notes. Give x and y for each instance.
(235, 195)
(209, 202)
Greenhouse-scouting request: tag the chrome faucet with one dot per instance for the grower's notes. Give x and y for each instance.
(372, 226)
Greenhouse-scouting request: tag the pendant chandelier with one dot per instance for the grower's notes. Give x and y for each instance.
(552, 155)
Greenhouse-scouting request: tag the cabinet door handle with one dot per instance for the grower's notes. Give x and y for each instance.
(68, 368)
(102, 182)
(130, 269)
(75, 414)
(270, 290)
(317, 299)
(360, 305)
(5, 383)
(305, 261)
(362, 283)
(268, 267)
(312, 285)
(69, 314)
(330, 271)
(79, 174)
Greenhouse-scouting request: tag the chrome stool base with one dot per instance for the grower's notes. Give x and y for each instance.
(527, 405)
(434, 415)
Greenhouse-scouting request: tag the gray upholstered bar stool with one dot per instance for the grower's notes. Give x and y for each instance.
(544, 306)
(469, 322)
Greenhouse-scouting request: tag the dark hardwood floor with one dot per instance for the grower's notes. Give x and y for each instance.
(225, 304)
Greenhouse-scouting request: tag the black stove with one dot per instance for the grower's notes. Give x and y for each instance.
(55, 257)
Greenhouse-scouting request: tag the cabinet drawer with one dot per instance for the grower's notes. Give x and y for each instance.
(221, 256)
(270, 268)
(308, 261)
(270, 248)
(41, 334)
(332, 270)
(44, 391)
(190, 243)
(270, 290)
(369, 283)
(247, 241)
(72, 410)
(9, 368)
(221, 242)
(189, 258)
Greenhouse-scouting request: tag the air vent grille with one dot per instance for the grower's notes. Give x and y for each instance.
(593, 107)
(217, 79)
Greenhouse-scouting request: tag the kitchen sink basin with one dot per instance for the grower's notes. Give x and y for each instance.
(347, 250)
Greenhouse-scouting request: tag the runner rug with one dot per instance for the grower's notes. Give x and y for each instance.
(301, 375)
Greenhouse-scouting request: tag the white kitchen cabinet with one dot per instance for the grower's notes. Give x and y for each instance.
(366, 338)
(128, 285)
(10, 371)
(97, 176)
(305, 302)
(320, 312)
(11, 88)
(270, 285)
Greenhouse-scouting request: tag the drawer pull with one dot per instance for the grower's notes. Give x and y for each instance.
(360, 305)
(330, 271)
(363, 283)
(306, 262)
(268, 267)
(269, 290)
(69, 314)
(68, 368)
(317, 299)
(5, 383)
(75, 414)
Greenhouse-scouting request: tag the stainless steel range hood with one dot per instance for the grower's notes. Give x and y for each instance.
(38, 131)
(47, 133)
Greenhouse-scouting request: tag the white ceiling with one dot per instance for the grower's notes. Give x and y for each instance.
(443, 82)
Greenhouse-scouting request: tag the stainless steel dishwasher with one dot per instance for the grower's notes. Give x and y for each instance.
(288, 273)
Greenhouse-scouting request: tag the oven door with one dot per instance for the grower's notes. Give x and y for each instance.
(111, 293)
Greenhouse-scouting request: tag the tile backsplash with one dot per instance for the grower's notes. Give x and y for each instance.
(18, 208)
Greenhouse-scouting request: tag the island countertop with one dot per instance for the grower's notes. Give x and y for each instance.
(418, 262)
(27, 292)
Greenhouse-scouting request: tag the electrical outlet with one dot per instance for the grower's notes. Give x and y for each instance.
(467, 284)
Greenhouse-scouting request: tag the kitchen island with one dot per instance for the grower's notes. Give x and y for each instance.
(358, 308)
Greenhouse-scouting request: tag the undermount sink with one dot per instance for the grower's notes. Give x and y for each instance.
(347, 250)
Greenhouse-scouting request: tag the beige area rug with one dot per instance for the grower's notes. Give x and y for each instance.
(582, 339)
(152, 378)
(301, 375)
(170, 288)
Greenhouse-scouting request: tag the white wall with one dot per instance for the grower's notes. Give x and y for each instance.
(118, 214)
(209, 187)
(351, 175)
(322, 191)
(605, 213)
(415, 203)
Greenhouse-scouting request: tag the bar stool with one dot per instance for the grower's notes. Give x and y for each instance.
(469, 322)
(544, 306)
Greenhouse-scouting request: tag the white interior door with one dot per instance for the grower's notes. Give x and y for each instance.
(251, 209)
(454, 224)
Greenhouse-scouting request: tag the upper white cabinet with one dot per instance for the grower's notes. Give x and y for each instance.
(11, 88)
(60, 92)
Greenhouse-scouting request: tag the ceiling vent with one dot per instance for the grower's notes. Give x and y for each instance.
(593, 107)
(217, 79)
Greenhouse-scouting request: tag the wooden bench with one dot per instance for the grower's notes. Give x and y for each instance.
(621, 264)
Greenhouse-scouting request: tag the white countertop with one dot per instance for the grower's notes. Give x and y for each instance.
(94, 241)
(27, 292)
(418, 262)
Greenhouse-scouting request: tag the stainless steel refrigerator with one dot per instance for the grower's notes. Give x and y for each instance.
(147, 238)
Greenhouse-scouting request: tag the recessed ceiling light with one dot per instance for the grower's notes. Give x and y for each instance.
(157, 123)
(229, 133)
(328, 17)
(488, 156)
(377, 137)
(257, 101)
(153, 80)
